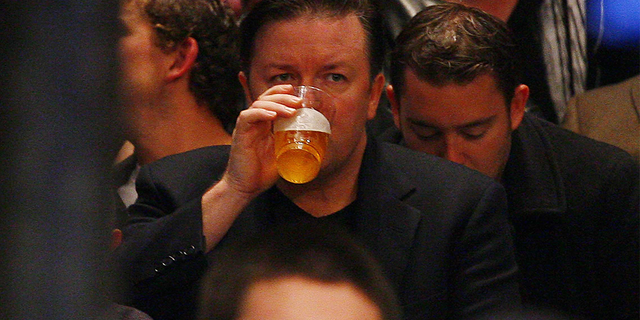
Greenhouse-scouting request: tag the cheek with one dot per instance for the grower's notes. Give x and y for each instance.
(347, 127)
(503, 151)
(140, 63)
(131, 46)
(256, 87)
(140, 77)
(501, 143)
(138, 51)
(491, 155)
(351, 112)
(131, 59)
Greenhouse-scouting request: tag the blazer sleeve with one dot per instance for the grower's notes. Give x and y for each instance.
(157, 237)
(164, 227)
(161, 259)
(484, 277)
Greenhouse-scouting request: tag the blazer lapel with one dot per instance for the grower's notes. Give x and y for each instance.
(532, 178)
(384, 221)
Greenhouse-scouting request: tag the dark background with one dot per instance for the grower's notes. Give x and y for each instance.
(57, 115)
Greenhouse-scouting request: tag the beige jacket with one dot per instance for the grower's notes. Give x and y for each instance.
(610, 114)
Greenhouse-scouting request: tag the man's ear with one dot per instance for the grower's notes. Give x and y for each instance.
(395, 105)
(374, 97)
(517, 107)
(245, 85)
(184, 57)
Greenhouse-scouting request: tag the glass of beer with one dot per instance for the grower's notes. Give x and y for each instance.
(301, 141)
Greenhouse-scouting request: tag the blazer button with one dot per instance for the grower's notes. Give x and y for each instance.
(168, 261)
(191, 251)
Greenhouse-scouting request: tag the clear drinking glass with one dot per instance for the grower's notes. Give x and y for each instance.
(301, 141)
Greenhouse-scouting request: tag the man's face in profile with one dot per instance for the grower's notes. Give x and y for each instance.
(141, 59)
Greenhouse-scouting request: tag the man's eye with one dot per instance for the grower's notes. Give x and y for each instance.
(426, 134)
(474, 133)
(284, 77)
(427, 137)
(335, 77)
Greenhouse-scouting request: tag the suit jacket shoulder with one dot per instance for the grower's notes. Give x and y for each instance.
(182, 177)
(549, 162)
(609, 114)
(574, 204)
(437, 228)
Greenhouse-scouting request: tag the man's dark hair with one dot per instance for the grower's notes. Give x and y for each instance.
(269, 11)
(325, 254)
(452, 43)
(214, 77)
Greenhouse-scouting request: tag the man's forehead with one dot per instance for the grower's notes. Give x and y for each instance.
(440, 123)
(344, 33)
(451, 103)
(313, 18)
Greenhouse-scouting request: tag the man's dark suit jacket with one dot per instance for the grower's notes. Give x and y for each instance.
(573, 203)
(438, 229)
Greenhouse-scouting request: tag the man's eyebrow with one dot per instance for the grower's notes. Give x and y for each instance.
(475, 123)
(278, 66)
(335, 65)
(420, 123)
(479, 122)
(285, 65)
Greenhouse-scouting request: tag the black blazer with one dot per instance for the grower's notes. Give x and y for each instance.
(573, 203)
(438, 229)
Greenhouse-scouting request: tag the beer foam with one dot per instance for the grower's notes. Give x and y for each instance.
(305, 119)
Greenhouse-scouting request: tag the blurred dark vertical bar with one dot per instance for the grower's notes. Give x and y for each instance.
(57, 104)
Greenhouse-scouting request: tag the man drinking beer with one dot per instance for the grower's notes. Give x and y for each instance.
(439, 230)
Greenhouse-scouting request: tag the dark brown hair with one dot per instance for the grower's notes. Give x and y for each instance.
(452, 43)
(214, 77)
(268, 11)
(325, 254)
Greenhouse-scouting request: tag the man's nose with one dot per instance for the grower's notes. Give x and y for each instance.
(307, 81)
(452, 153)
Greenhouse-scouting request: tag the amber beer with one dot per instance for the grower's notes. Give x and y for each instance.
(300, 145)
